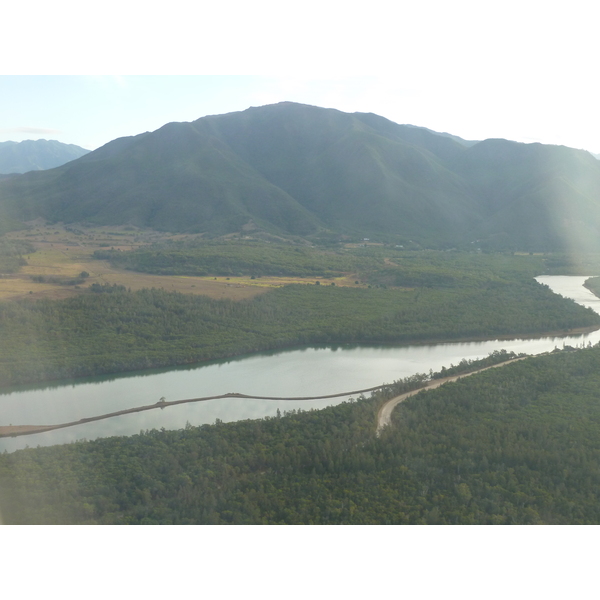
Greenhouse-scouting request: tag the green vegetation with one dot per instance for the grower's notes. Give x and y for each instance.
(61, 280)
(469, 366)
(11, 255)
(572, 264)
(447, 269)
(593, 284)
(514, 445)
(376, 265)
(97, 333)
(291, 169)
(230, 258)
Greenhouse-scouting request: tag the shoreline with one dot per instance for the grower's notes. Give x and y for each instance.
(19, 430)
(384, 415)
(58, 382)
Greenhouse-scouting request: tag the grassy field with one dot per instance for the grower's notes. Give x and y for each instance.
(66, 251)
(63, 252)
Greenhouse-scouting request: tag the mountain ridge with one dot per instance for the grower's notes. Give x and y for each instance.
(297, 169)
(36, 155)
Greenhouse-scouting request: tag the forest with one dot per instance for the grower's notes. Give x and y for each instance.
(511, 445)
(110, 329)
(391, 296)
(515, 445)
(298, 206)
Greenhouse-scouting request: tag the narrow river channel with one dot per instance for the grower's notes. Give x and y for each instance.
(300, 372)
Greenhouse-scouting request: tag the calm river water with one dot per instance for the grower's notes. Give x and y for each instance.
(301, 372)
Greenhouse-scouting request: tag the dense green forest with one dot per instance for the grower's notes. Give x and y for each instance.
(101, 332)
(514, 445)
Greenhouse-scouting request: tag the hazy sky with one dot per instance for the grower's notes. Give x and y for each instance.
(520, 70)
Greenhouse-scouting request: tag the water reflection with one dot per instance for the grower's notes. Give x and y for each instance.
(298, 372)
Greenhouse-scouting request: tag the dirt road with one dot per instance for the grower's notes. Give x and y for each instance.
(384, 417)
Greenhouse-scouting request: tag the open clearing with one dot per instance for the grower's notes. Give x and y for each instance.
(65, 251)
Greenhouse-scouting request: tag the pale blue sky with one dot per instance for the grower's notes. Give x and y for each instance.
(523, 70)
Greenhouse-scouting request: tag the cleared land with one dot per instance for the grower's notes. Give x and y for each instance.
(65, 252)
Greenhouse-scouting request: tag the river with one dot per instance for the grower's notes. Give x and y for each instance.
(298, 372)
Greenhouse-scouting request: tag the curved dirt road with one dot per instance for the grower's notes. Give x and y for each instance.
(384, 417)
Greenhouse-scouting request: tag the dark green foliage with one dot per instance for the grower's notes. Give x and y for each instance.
(378, 265)
(58, 280)
(224, 258)
(518, 444)
(106, 288)
(110, 330)
(593, 284)
(468, 366)
(514, 445)
(454, 269)
(11, 255)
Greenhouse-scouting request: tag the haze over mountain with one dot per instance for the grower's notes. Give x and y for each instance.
(36, 155)
(297, 169)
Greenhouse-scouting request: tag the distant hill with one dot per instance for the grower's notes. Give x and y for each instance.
(295, 169)
(30, 155)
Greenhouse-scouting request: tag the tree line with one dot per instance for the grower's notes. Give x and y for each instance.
(111, 330)
(514, 445)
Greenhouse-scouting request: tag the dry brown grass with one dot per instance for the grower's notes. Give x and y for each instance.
(62, 252)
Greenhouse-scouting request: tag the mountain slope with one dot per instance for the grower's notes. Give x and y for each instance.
(539, 197)
(297, 169)
(173, 179)
(355, 172)
(30, 155)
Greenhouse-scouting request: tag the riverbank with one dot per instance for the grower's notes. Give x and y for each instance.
(114, 331)
(19, 430)
(314, 370)
(384, 416)
(187, 365)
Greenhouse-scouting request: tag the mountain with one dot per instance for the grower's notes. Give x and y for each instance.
(548, 196)
(460, 140)
(296, 169)
(30, 155)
